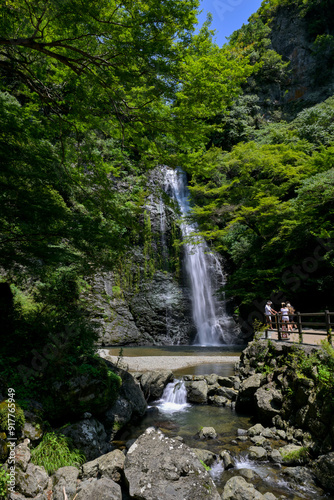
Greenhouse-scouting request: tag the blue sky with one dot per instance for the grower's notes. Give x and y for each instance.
(228, 15)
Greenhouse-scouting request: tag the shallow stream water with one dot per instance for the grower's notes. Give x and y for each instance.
(186, 420)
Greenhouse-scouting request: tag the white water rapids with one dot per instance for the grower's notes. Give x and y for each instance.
(213, 325)
(174, 397)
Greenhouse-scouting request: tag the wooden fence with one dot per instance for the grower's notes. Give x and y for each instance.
(305, 323)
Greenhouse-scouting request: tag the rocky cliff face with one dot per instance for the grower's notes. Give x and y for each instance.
(146, 299)
(311, 78)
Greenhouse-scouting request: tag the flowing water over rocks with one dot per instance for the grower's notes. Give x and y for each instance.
(214, 326)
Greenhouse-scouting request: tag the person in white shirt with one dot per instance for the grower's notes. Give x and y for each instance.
(285, 318)
(268, 311)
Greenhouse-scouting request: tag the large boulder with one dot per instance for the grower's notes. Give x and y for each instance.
(65, 480)
(153, 383)
(158, 467)
(89, 436)
(269, 402)
(99, 489)
(237, 488)
(246, 395)
(207, 433)
(110, 465)
(32, 481)
(323, 469)
(130, 403)
(22, 455)
(91, 388)
(197, 391)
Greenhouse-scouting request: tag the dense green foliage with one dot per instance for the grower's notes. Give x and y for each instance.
(4, 478)
(55, 451)
(268, 205)
(263, 191)
(92, 95)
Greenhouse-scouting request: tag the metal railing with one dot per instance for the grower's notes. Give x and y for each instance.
(302, 326)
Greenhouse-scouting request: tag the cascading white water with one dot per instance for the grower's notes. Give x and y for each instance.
(174, 397)
(214, 327)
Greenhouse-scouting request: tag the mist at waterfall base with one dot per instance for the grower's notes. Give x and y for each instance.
(214, 326)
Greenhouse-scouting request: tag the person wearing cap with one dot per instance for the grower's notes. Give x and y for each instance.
(268, 311)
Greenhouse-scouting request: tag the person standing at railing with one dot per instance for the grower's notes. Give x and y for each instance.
(285, 319)
(268, 311)
(291, 323)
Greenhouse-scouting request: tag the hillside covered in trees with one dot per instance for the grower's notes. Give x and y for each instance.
(93, 96)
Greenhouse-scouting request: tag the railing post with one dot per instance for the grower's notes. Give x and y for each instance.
(300, 327)
(328, 326)
(278, 328)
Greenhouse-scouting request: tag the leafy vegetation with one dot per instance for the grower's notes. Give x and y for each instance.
(94, 96)
(55, 451)
(91, 97)
(4, 478)
(18, 415)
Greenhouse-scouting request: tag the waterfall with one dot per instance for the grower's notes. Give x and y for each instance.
(213, 325)
(174, 397)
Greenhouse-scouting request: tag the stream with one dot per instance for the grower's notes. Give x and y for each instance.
(176, 417)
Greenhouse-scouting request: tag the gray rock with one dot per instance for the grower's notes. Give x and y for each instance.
(237, 488)
(197, 391)
(268, 433)
(218, 400)
(112, 313)
(281, 434)
(153, 383)
(22, 455)
(293, 454)
(207, 433)
(227, 393)
(269, 402)
(205, 456)
(256, 430)
(162, 309)
(226, 382)
(259, 440)
(211, 379)
(110, 465)
(227, 459)
(245, 398)
(323, 469)
(131, 391)
(32, 431)
(99, 489)
(257, 453)
(118, 415)
(275, 456)
(269, 496)
(89, 436)
(242, 432)
(130, 402)
(33, 481)
(157, 467)
(65, 478)
(249, 474)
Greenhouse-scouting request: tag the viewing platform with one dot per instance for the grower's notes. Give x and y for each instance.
(310, 328)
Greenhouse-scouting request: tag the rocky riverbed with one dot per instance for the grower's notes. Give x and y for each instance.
(286, 454)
